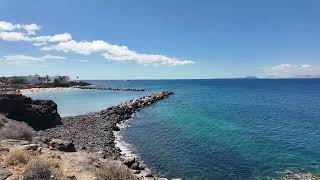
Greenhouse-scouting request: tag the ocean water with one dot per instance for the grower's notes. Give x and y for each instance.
(80, 101)
(218, 129)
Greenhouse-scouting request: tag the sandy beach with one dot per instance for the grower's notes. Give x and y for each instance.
(39, 90)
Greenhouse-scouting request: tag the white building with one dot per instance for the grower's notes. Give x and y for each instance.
(36, 79)
(32, 79)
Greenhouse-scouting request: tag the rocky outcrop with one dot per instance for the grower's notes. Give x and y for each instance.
(39, 114)
(62, 145)
(129, 162)
(94, 132)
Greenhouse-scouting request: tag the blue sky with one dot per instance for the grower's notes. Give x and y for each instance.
(167, 39)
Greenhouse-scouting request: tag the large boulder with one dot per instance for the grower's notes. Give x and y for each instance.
(39, 114)
(62, 145)
(129, 161)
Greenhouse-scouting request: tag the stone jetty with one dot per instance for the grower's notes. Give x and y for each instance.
(94, 132)
(109, 88)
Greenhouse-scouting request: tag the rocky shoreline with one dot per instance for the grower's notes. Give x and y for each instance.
(95, 132)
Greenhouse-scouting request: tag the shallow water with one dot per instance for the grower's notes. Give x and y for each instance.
(80, 101)
(218, 129)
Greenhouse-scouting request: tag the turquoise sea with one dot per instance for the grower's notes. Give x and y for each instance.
(216, 129)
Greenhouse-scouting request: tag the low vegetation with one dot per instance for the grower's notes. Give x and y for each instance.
(42, 168)
(29, 165)
(11, 129)
(114, 170)
(16, 156)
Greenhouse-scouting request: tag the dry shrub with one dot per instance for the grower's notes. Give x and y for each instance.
(11, 129)
(42, 168)
(114, 170)
(16, 156)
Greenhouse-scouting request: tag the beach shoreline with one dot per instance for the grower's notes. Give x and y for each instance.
(41, 90)
(126, 151)
(26, 91)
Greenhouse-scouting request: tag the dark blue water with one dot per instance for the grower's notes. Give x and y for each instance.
(228, 129)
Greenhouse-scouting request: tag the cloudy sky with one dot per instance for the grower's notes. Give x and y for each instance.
(143, 39)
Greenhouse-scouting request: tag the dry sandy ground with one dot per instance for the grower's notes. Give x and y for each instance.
(80, 165)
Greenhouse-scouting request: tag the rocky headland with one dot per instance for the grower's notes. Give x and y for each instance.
(39, 114)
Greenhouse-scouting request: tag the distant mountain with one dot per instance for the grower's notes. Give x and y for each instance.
(295, 77)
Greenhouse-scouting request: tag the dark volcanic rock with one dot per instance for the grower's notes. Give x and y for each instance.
(94, 132)
(62, 145)
(39, 114)
(149, 174)
(116, 128)
(129, 162)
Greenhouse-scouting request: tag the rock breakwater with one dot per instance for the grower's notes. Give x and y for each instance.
(94, 132)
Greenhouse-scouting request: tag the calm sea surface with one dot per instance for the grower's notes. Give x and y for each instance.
(216, 129)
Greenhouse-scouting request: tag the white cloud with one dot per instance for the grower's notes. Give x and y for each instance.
(114, 52)
(293, 70)
(40, 39)
(13, 36)
(63, 42)
(31, 28)
(12, 32)
(6, 26)
(37, 40)
(52, 57)
(23, 59)
(60, 37)
(43, 40)
(83, 60)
